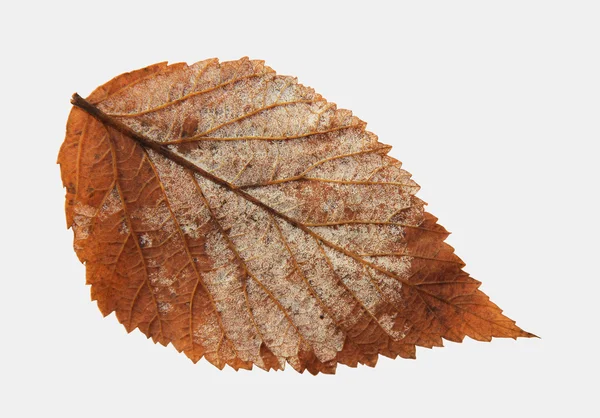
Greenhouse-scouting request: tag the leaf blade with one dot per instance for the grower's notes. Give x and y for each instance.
(360, 235)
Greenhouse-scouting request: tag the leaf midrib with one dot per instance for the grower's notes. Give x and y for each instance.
(106, 119)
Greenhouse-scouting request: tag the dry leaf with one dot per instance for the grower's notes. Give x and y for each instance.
(243, 218)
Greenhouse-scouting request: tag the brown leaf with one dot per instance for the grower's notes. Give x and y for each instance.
(243, 218)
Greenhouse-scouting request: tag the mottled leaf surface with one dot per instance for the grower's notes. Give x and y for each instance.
(241, 217)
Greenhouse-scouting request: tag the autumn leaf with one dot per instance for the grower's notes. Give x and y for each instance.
(241, 217)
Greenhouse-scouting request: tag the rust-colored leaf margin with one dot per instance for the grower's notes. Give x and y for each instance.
(241, 217)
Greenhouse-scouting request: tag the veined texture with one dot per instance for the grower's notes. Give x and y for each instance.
(241, 217)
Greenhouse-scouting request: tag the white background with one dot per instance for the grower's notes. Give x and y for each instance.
(494, 108)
